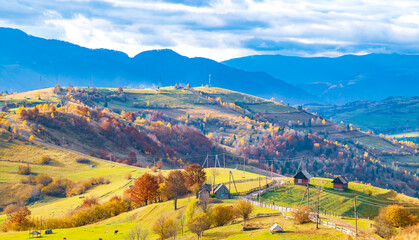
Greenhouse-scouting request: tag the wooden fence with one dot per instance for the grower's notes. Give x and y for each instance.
(248, 198)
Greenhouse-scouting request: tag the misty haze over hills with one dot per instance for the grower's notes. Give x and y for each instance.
(343, 79)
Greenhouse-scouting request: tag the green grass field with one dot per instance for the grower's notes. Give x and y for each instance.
(147, 215)
(341, 203)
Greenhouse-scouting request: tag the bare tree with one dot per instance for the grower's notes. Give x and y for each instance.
(137, 233)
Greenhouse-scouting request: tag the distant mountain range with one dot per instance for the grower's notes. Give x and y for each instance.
(343, 79)
(28, 62)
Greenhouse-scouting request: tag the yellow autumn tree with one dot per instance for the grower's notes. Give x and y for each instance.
(400, 216)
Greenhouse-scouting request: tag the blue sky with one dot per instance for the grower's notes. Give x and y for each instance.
(223, 29)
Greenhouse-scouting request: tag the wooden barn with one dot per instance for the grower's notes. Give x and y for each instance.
(221, 191)
(203, 194)
(206, 186)
(340, 183)
(302, 178)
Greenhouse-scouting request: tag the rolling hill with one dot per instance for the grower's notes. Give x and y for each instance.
(124, 132)
(28, 63)
(189, 125)
(343, 79)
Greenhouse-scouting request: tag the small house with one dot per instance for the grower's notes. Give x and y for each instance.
(275, 229)
(206, 186)
(302, 178)
(340, 183)
(221, 191)
(203, 195)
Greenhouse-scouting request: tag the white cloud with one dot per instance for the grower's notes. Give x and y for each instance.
(221, 29)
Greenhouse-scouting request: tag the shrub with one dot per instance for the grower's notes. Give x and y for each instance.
(17, 217)
(88, 202)
(301, 215)
(369, 192)
(383, 227)
(83, 161)
(44, 159)
(399, 216)
(24, 170)
(198, 224)
(221, 215)
(128, 176)
(137, 233)
(243, 209)
(43, 179)
(58, 188)
(165, 227)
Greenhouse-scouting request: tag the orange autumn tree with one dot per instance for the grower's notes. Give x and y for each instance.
(195, 176)
(144, 189)
(175, 185)
(18, 217)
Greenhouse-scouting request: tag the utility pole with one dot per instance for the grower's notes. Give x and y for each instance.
(40, 82)
(356, 218)
(244, 164)
(318, 207)
(229, 181)
(259, 190)
(272, 167)
(308, 193)
(224, 157)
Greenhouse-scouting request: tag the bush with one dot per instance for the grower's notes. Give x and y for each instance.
(243, 209)
(44, 159)
(221, 215)
(24, 170)
(128, 176)
(58, 188)
(165, 227)
(383, 227)
(43, 179)
(88, 202)
(17, 217)
(198, 224)
(137, 233)
(399, 216)
(83, 161)
(301, 215)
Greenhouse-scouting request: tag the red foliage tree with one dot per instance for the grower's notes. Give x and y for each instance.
(175, 185)
(144, 189)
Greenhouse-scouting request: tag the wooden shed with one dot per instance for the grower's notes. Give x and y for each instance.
(203, 195)
(206, 186)
(35, 234)
(221, 191)
(275, 229)
(340, 183)
(302, 178)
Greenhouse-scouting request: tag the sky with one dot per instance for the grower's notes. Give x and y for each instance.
(223, 29)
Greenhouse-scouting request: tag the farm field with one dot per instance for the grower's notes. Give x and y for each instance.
(337, 202)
